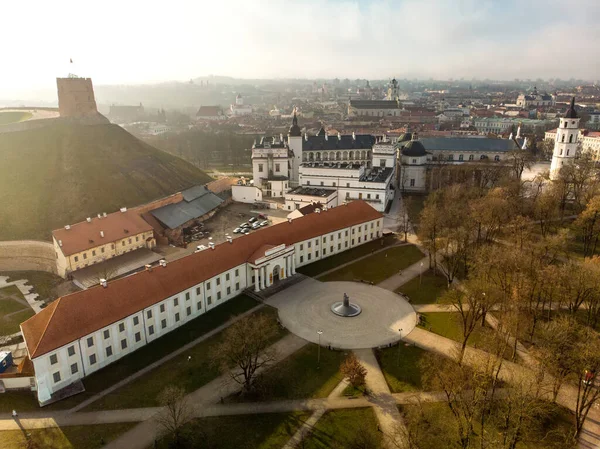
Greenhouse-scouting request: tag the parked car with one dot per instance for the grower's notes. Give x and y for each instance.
(246, 231)
(262, 216)
(264, 223)
(237, 230)
(256, 225)
(244, 225)
(252, 220)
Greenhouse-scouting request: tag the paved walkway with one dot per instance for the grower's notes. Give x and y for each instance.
(384, 404)
(305, 308)
(143, 435)
(164, 360)
(25, 290)
(307, 428)
(399, 279)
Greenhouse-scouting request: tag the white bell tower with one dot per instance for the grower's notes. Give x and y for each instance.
(565, 146)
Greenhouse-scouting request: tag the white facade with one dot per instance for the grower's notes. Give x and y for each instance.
(565, 145)
(77, 359)
(302, 196)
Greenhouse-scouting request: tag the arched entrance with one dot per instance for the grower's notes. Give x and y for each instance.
(276, 273)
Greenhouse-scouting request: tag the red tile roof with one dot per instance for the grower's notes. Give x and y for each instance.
(73, 316)
(116, 226)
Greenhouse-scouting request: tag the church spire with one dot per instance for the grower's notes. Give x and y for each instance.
(295, 130)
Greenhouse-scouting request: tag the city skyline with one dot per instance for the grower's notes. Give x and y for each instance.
(139, 43)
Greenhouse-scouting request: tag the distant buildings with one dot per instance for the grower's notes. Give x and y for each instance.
(535, 99)
(239, 108)
(500, 125)
(374, 108)
(210, 113)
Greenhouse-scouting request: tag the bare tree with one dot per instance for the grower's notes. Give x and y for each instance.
(586, 368)
(176, 412)
(587, 226)
(403, 217)
(353, 370)
(245, 349)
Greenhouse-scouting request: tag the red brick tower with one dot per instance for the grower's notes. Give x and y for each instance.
(76, 97)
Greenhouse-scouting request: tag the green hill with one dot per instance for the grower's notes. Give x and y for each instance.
(63, 173)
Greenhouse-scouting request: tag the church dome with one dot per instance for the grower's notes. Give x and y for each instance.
(414, 148)
(571, 112)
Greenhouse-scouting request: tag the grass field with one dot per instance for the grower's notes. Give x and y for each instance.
(447, 324)
(63, 173)
(427, 290)
(265, 431)
(71, 437)
(189, 375)
(341, 428)
(323, 265)
(12, 312)
(297, 376)
(400, 366)
(43, 283)
(7, 117)
(135, 361)
(377, 267)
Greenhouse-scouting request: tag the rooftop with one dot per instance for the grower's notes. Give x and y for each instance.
(100, 231)
(76, 315)
(375, 104)
(377, 174)
(339, 142)
(468, 144)
(311, 191)
(197, 201)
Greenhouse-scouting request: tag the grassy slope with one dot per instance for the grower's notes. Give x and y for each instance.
(14, 116)
(64, 173)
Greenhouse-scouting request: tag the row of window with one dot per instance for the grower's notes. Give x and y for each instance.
(112, 246)
(331, 248)
(336, 156)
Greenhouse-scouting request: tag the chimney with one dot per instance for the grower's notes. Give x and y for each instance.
(60, 243)
(211, 245)
(88, 219)
(317, 210)
(123, 209)
(306, 137)
(353, 136)
(326, 136)
(162, 262)
(229, 238)
(289, 220)
(101, 233)
(339, 136)
(103, 283)
(148, 267)
(99, 216)
(67, 227)
(104, 214)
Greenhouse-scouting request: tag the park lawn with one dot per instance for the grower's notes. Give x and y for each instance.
(425, 291)
(329, 263)
(297, 376)
(7, 117)
(339, 428)
(44, 284)
(70, 437)
(10, 324)
(378, 267)
(447, 324)
(128, 365)
(441, 428)
(401, 367)
(189, 375)
(262, 431)
(10, 291)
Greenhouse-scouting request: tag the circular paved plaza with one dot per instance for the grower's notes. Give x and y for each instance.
(305, 308)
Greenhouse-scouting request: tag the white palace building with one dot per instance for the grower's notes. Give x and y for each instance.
(343, 167)
(83, 332)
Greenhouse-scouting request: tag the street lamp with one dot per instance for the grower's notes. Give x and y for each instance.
(399, 343)
(319, 332)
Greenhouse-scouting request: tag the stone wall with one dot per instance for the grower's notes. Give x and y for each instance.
(17, 255)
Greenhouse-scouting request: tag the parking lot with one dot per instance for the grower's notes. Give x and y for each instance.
(224, 222)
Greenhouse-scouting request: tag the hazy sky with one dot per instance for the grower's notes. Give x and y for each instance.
(131, 41)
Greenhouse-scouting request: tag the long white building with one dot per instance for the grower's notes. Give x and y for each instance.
(83, 332)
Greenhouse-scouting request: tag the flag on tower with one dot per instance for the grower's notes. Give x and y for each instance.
(71, 60)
